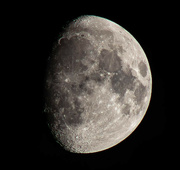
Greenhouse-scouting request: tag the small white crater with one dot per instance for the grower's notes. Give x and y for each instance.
(66, 80)
(100, 101)
(112, 99)
(108, 105)
(57, 101)
(145, 99)
(79, 97)
(134, 72)
(85, 129)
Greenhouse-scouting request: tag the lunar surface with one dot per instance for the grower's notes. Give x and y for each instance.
(98, 85)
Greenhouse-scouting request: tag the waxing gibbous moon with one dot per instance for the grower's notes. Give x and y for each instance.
(98, 85)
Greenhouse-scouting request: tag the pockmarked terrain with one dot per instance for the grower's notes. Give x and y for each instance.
(98, 85)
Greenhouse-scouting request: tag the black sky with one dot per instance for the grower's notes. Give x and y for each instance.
(149, 25)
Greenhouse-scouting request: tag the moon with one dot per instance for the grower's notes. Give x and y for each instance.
(98, 85)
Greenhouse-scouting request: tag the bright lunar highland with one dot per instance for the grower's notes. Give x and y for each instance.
(98, 85)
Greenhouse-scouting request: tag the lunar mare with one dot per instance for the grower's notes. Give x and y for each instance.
(98, 85)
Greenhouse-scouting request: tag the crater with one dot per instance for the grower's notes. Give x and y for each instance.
(142, 68)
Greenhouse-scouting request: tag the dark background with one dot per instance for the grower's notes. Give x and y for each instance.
(149, 145)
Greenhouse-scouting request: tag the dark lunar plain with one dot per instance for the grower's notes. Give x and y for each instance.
(148, 144)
